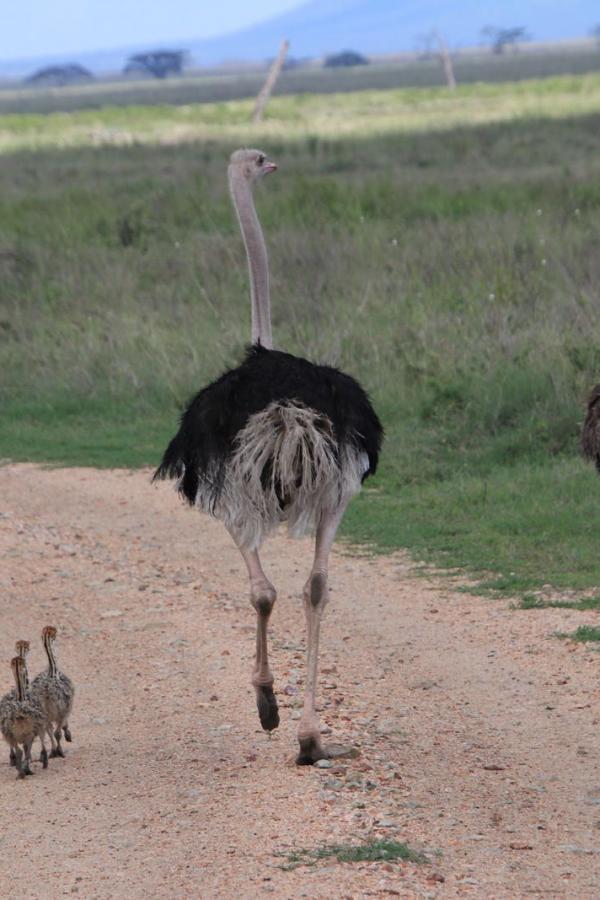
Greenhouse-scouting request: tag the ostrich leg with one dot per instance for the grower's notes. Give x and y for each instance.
(315, 596)
(262, 598)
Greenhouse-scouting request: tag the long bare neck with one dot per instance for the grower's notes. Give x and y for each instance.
(256, 251)
(21, 689)
(52, 666)
(22, 651)
(25, 674)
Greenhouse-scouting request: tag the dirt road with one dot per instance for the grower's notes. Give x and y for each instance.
(478, 730)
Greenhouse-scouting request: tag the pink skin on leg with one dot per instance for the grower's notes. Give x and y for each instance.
(262, 597)
(315, 596)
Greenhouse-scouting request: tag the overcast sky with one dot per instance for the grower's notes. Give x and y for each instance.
(44, 27)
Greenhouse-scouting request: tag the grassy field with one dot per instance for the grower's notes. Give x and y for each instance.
(444, 248)
(218, 86)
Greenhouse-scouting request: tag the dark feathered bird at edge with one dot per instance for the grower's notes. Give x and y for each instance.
(590, 433)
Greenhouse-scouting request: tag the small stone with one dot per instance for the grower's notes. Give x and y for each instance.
(339, 751)
(386, 726)
(334, 784)
(112, 614)
(354, 781)
(324, 764)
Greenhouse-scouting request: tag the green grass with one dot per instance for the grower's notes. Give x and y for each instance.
(313, 120)
(453, 269)
(372, 851)
(584, 634)
(516, 528)
(530, 601)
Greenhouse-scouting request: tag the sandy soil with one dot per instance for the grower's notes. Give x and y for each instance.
(477, 728)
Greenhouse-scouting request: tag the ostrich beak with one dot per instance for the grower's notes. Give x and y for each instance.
(269, 166)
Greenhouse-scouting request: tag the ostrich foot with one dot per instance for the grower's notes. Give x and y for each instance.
(266, 703)
(311, 750)
(57, 751)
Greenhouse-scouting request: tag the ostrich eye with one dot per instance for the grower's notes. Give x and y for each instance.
(260, 160)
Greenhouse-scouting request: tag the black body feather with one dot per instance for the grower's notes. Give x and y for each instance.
(590, 433)
(214, 417)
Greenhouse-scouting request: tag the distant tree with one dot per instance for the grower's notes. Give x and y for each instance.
(58, 76)
(158, 63)
(346, 58)
(501, 38)
(595, 33)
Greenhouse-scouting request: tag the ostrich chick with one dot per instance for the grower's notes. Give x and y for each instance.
(22, 719)
(21, 649)
(55, 692)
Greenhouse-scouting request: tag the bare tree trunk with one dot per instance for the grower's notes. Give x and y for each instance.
(267, 88)
(446, 62)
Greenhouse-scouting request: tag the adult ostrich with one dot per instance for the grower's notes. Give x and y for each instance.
(590, 432)
(276, 439)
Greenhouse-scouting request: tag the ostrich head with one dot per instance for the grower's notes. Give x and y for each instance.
(49, 633)
(251, 164)
(22, 648)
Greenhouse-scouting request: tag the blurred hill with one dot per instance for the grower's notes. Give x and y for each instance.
(369, 26)
(387, 26)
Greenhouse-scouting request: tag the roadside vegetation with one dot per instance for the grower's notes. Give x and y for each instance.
(371, 851)
(585, 634)
(443, 248)
(531, 601)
